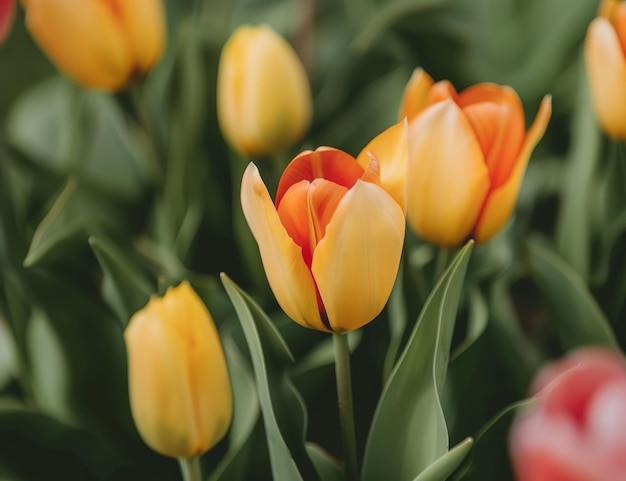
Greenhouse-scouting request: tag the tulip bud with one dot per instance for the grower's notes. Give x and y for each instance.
(331, 243)
(468, 153)
(7, 8)
(575, 428)
(99, 44)
(264, 102)
(605, 50)
(180, 393)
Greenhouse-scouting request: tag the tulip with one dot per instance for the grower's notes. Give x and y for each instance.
(7, 10)
(468, 153)
(331, 242)
(180, 393)
(574, 431)
(605, 50)
(264, 102)
(99, 44)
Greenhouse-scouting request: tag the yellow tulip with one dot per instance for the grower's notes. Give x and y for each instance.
(331, 243)
(99, 44)
(605, 50)
(180, 392)
(468, 153)
(264, 102)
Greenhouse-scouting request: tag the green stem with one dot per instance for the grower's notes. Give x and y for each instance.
(190, 468)
(346, 412)
(443, 259)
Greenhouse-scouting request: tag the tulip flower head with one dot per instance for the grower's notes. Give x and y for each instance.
(264, 102)
(575, 429)
(180, 392)
(605, 57)
(101, 44)
(331, 241)
(7, 10)
(468, 153)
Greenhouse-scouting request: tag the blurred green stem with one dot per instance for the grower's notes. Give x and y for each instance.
(443, 259)
(346, 411)
(190, 468)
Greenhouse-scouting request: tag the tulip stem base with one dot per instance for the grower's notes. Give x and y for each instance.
(190, 469)
(346, 411)
(443, 259)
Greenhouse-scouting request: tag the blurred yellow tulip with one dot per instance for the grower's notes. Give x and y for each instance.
(605, 50)
(99, 44)
(264, 102)
(180, 392)
(332, 241)
(468, 153)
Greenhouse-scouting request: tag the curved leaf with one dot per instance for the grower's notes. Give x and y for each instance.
(448, 463)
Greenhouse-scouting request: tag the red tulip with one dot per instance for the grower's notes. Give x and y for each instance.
(7, 8)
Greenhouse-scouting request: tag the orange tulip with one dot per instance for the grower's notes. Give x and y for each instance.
(331, 242)
(179, 388)
(100, 44)
(468, 153)
(605, 56)
(7, 9)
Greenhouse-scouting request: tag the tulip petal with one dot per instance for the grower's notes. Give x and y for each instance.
(287, 273)
(448, 179)
(415, 94)
(84, 39)
(391, 150)
(324, 162)
(7, 10)
(356, 262)
(144, 24)
(179, 387)
(501, 201)
(606, 69)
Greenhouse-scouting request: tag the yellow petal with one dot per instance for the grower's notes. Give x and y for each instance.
(84, 39)
(263, 93)
(500, 203)
(415, 94)
(144, 24)
(356, 263)
(448, 178)
(606, 69)
(289, 277)
(391, 150)
(178, 381)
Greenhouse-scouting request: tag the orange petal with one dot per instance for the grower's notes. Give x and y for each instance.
(288, 275)
(84, 39)
(501, 201)
(306, 209)
(606, 69)
(500, 129)
(415, 93)
(356, 263)
(448, 179)
(326, 163)
(390, 148)
(442, 90)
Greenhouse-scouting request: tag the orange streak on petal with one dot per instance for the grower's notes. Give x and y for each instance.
(325, 162)
(442, 90)
(619, 22)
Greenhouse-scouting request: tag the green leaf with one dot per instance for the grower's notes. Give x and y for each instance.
(124, 287)
(283, 410)
(409, 431)
(234, 464)
(441, 469)
(477, 322)
(327, 467)
(575, 316)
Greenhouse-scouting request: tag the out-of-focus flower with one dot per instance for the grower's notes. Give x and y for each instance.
(180, 392)
(332, 241)
(605, 50)
(264, 102)
(7, 9)
(468, 153)
(575, 429)
(100, 44)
